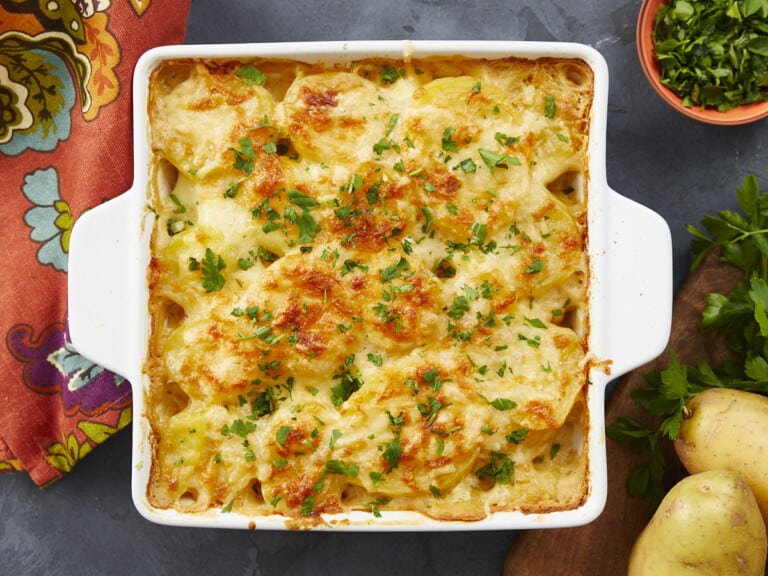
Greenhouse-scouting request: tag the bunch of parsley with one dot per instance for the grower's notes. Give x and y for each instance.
(740, 319)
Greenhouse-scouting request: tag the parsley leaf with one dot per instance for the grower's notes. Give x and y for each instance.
(342, 469)
(212, 266)
(549, 107)
(517, 436)
(495, 160)
(500, 469)
(503, 404)
(448, 144)
(392, 453)
(308, 227)
(252, 76)
(349, 382)
(395, 270)
(390, 75)
(281, 436)
(430, 410)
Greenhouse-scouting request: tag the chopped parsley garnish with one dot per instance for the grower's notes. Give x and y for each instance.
(467, 166)
(505, 140)
(349, 382)
(383, 145)
(428, 216)
(180, 208)
(534, 342)
(430, 410)
(342, 469)
(373, 506)
(245, 263)
(335, 435)
(479, 234)
(535, 323)
(243, 162)
(500, 469)
(432, 377)
(549, 107)
(376, 478)
(536, 266)
(390, 75)
(281, 436)
(212, 265)
(518, 435)
(173, 226)
(372, 194)
(393, 450)
(495, 160)
(355, 183)
(302, 200)
(308, 505)
(265, 403)
(503, 404)
(308, 228)
(252, 76)
(350, 265)
(387, 314)
(392, 453)
(238, 427)
(448, 144)
(459, 307)
(392, 123)
(395, 270)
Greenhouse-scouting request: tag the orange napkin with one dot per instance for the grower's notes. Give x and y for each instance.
(65, 145)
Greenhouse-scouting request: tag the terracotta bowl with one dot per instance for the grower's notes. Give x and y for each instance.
(740, 115)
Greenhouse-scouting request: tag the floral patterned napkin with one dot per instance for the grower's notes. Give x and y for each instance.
(65, 146)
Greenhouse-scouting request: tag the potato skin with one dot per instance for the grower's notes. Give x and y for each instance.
(708, 524)
(728, 429)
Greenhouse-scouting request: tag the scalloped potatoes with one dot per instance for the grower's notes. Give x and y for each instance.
(368, 286)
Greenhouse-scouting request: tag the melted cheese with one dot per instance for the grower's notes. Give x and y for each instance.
(368, 286)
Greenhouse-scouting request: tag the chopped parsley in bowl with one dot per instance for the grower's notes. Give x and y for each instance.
(707, 57)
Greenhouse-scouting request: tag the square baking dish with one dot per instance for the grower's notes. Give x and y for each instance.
(630, 284)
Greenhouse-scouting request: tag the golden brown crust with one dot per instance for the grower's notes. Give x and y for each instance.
(368, 287)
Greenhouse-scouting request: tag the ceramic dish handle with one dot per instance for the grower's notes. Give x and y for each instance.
(101, 261)
(638, 267)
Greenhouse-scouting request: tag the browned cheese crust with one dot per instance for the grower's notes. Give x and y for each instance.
(368, 287)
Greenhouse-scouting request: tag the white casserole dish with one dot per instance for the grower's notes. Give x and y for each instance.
(630, 295)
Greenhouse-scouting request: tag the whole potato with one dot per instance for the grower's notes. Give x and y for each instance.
(728, 429)
(708, 523)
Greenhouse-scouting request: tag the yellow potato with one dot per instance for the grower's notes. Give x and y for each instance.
(708, 523)
(728, 429)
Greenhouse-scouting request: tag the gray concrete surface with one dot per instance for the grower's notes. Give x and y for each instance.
(86, 524)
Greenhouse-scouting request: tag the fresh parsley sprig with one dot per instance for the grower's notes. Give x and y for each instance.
(739, 318)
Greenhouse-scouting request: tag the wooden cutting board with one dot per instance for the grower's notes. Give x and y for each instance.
(602, 547)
